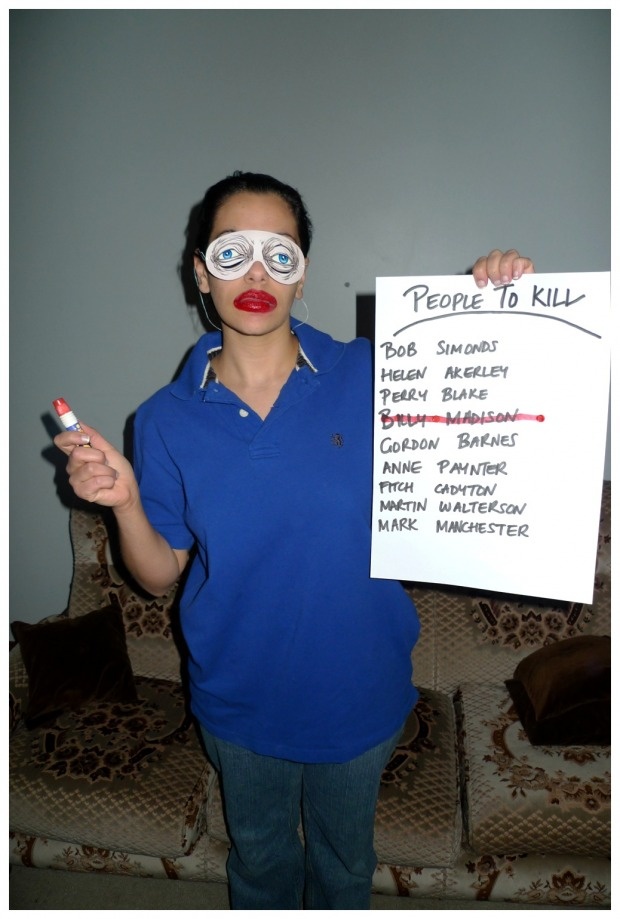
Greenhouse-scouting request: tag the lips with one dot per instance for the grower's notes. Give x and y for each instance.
(255, 301)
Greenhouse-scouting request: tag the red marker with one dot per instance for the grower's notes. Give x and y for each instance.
(67, 417)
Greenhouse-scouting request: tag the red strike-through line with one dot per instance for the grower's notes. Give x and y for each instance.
(484, 419)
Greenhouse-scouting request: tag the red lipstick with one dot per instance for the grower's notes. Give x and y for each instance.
(255, 301)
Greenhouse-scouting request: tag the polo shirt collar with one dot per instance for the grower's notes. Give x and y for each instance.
(318, 351)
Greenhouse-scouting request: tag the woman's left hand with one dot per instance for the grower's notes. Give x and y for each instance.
(501, 267)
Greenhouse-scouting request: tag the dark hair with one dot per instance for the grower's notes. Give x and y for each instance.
(259, 184)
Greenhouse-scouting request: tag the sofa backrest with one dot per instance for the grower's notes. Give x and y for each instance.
(99, 579)
(469, 636)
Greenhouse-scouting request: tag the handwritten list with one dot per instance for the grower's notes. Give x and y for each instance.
(490, 430)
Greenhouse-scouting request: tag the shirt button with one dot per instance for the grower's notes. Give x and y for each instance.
(243, 413)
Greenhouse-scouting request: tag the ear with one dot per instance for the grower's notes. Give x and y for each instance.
(201, 274)
(299, 290)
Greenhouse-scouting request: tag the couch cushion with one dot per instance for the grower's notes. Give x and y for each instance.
(127, 776)
(418, 820)
(562, 693)
(521, 798)
(72, 662)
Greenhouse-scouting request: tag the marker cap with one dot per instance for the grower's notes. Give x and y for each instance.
(61, 406)
(67, 417)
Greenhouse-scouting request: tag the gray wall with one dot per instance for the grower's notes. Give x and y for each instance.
(420, 139)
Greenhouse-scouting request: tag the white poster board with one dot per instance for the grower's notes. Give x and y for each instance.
(490, 430)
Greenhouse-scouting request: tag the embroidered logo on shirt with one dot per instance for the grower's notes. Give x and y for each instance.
(337, 440)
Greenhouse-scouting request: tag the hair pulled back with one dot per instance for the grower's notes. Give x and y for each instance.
(257, 183)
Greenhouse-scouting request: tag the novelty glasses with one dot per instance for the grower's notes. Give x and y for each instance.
(230, 256)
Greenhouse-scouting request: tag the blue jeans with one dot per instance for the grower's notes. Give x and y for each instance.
(264, 801)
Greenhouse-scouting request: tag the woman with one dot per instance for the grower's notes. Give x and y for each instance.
(257, 460)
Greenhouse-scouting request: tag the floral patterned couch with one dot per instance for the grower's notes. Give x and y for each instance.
(468, 809)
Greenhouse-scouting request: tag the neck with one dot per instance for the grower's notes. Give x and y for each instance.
(249, 362)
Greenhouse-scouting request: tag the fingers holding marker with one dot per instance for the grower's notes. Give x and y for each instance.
(68, 419)
(89, 473)
(99, 474)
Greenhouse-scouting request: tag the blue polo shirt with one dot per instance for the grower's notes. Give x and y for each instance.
(295, 651)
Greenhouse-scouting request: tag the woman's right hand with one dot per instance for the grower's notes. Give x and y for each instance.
(97, 471)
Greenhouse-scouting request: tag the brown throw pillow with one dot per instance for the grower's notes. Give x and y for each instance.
(72, 662)
(562, 692)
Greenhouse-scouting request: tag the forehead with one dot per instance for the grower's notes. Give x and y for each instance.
(252, 211)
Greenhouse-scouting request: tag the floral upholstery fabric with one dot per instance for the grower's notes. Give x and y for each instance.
(153, 638)
(534, 880)
(530, 879)
(527, 625)
(132, 776)
(206, 861)
(524, 798)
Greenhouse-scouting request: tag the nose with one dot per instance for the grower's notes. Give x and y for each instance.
(256, 271)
